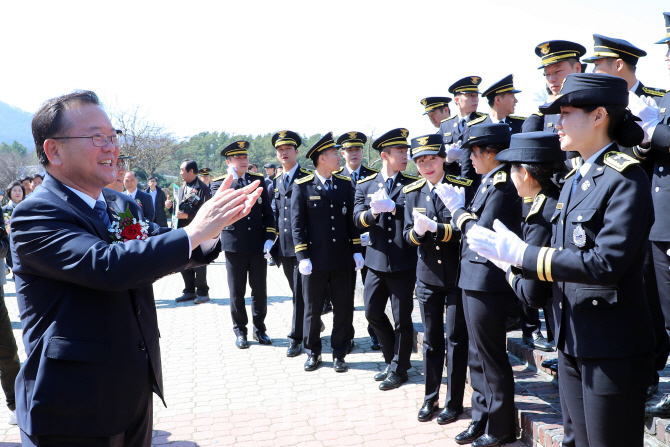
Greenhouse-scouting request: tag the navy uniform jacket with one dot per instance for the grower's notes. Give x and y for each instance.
(144, 201)
(202, 191)
(655, 93)
(363, 173)
(451, 134)
(248, 235)
(88, 312)
(388, 251)
(660, 183)
(496, 198)
(439, 252)
(160, 218)
(540, 122)
(596, 261)
(514, 122)
(323, 229)
(281, 208)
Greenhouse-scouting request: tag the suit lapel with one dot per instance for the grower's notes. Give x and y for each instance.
(587, 184)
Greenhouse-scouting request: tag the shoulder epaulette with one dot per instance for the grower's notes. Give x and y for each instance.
(500, 177)
(414, 186)
(218, 179)
(367, 179)
(619, 161)
(575, 162)
(527, 200)
(411, 177)
(538, 203)
(342, 177)
(514, 117)
(570, 173)
(538, 113)
(482, 117)
(447, 119)
(339, 170)
(654, 91)
(257, 174)
(458, 180)
(300, 181)
(370, 169)
(278, 175)
(306, 171)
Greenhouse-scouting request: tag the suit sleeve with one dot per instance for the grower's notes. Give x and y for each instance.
(535, 293)
(503, 204)
(363, 217)
(352, 229)
(408, 232)
(268, 215)
(299, 223)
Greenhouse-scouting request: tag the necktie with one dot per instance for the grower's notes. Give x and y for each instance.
(575, 182)
(101, 208)
(329, 190)
(354, 177)
(461, 125)
(389, 184)
(286, 182)
(240, 181)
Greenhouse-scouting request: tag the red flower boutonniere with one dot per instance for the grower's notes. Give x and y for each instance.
(139, 202)
(126, 228)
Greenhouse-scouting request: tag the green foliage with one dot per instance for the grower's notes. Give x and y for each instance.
(15, 147)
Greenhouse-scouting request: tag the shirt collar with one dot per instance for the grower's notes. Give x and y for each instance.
(492, 171)
(357, 171)
(90, 201)
(291, 173)
(584, 168)
(323, 179)
(386, 177)
(634, 87)
(132, 194)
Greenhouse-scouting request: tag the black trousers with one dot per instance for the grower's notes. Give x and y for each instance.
(657, 287)
(9, 354)
(315, 288)
(195, 281)
(432, 302)
(529, 318)
(396, 342)
(137, 435)
(238, 266)
(290, 266)
(490, 370)
(602, 400)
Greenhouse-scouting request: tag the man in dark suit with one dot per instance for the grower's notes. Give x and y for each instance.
(158, 200)
(143, 199)
(88, 314)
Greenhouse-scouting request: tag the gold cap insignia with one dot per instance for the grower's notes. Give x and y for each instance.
(423, 101)
(475, 79)
(241, 144)
(404, 133)
(353, 135)
(422, 141)
(544, 48)
(282, 134)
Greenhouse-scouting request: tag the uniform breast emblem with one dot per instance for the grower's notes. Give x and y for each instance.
(579, 236)
(586, 185)
(344, 210)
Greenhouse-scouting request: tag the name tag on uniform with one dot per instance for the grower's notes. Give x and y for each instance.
(559, 206)
(448, 134)
(419, 210)
(663, 110)
(550, 125)
(314, 197)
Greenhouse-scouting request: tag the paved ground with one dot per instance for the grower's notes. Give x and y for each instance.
(220, 395)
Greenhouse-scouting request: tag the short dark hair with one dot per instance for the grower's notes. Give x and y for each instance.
(153, 177)
(38, 175)
(492, 100)
(191, 165)
(48, 120)
(27, 177)
(11, 186)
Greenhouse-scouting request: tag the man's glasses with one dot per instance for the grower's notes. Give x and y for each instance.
(99, 139)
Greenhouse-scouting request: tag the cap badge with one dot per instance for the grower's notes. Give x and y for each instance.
(241, 144)
(544, 48)
(475, 79)
(282, 134)
(424, 102)
(353, 135)
(404, 133)
(422, 141)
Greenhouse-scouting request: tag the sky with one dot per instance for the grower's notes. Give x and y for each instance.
(256, 67)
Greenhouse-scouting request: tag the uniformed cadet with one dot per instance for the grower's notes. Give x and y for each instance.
(487, 297)
(352, 152)
(205, 175)
(595, 260)
(456, 129)
(391, 262)
(437, 109)
(286, 143)
(502, 101)
(428, 227)
(244, 244)
(325, 237)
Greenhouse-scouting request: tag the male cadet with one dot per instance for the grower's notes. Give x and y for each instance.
(325, 237)
(456, 129)
(287, 143)
(352, 151)
(244, 244)
(270, 170)
(437, 109)
(391, 262)
(502, 100)
(205, 175)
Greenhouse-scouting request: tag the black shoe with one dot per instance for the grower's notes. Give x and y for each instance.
(374, 343)
(447, 416)
(262, 338)
(537, 341)
(660, 409)
(201, 299)
(339, 365)
(382, 375)
(651, 390)
(492, 441)
(427, 410)
(186, 297)
(513, 324)
(351, 346)
(551, 364)
(474, 431)
(241, 342)
(327, 308)
(313, 361)
(294, 349)
(393, 381)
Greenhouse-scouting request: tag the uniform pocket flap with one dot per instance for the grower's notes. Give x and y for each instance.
(595, 298)
(314, 203)
(77, 350)
(582, 215)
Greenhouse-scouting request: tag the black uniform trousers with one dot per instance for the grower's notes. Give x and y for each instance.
(364, 272)
(657, 287)
(137, 435)
(605, 394)
(529, 318)
(315, 288)
(237, 267)
(195, 281)
(9, 354)
(432, 301)
(490, 371)
(396, 342)
(290, 266)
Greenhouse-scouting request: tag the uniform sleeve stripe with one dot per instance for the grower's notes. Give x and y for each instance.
(510, 279)
(411, 236)
(547, 263)
(540, 263)
(300, 248)
(464, 218)
(448, 232)
(362, 219)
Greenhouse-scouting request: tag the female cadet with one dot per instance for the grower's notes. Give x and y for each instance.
(487, 297)
(428, 226)
(596, 259)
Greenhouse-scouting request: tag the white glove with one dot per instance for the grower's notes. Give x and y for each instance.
(501, 265)
(266, 249)
(381, 202)
(358, 259)
(365, 239)
(305, 267)
(232, 170)
(453, 197)
(501, 244)
(646, 109)
(454, 152)
(422, 224)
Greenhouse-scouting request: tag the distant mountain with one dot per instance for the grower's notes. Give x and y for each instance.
(15, 126)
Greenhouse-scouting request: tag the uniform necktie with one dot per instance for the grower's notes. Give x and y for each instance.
(286, 181)
(389, 184)
(575, 182)
(461, 125)
(240, 181)
(101, 208)
(354, 177)
(329, 190)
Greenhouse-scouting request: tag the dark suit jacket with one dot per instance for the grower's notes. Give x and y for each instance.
(202, 191)
(660, 185)
(144, 201)
(514, 122)
(281, 208)
(451, 134)
(88, 313)
(160, 218)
